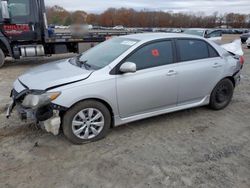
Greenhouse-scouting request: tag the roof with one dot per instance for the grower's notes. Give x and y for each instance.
(155, 36)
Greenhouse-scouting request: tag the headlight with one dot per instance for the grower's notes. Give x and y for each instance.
(36, 101)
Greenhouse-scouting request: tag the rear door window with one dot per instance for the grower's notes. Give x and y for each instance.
(153, 55)
(192, 49)
(212, 52)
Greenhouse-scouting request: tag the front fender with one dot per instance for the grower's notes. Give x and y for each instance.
(104, 91)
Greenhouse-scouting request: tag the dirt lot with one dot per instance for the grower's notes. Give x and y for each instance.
(191, 148)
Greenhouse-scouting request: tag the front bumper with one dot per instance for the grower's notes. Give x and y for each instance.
(46, 116)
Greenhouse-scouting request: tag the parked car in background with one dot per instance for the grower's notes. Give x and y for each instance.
(211, 34)
(119, 27)
(234, 31)
(146, 30)
(244, 37)
(176, 30)
(61, 27)
(126, 79)
(242, 31)
(248, 42)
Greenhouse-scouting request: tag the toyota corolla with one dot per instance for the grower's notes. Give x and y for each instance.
(126, 79)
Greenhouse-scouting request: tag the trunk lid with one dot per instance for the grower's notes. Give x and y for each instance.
(234, 47)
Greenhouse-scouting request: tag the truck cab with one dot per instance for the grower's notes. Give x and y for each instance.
(21, 22)
(22, 28)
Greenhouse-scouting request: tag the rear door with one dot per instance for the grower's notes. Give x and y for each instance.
(200, 69)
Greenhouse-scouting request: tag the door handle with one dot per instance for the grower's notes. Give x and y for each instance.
(171, 73)
(216, 65)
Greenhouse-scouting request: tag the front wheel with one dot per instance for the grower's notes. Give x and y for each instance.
(2, 58)
(222, 95)
(87, 121)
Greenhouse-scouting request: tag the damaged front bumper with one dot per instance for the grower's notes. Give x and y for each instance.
(47, 116)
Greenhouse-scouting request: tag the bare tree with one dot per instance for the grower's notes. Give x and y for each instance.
(145, 18)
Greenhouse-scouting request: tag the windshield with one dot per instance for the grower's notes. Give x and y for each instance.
(104, 53)
(194, 32)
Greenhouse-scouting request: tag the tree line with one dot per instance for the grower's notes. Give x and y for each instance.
(145, 18)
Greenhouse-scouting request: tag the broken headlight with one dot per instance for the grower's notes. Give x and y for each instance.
(36, 101)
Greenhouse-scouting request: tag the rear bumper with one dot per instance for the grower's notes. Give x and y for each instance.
(237, 78)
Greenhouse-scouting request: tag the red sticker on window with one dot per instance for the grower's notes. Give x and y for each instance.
(155, 53)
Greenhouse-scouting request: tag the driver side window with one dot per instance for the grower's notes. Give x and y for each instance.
(153, 55)
(19, 8)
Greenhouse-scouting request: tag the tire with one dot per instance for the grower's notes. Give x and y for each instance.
(80, 112)
(222, 95)
(2, 58)
(248, 47)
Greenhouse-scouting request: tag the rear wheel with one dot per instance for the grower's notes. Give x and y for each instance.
(87, 121)
(222, 94)
(2, 58)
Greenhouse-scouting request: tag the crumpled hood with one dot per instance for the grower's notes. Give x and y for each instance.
(53, 74)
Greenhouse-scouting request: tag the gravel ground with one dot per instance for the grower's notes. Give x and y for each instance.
(192, 148)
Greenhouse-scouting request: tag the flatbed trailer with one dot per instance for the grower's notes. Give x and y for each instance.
(89, 36)
(24, 32)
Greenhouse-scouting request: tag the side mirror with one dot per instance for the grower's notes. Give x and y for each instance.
(5, 10)
(128, 67)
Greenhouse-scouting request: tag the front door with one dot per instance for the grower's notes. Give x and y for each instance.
(153, 86)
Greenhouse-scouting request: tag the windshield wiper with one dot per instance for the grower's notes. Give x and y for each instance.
(82, 63)
(85, 64)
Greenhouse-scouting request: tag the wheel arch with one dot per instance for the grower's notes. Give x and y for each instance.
(219, 105)
(5, 46)
(231, 78)
(105, 103)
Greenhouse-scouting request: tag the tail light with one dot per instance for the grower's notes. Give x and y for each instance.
(242, 60)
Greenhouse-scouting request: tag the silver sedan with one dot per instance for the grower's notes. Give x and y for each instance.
(126, 79)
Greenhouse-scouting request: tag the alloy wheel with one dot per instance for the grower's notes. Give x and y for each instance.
(88, 123)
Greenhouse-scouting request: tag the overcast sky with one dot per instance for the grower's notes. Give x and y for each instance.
(207, 6)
